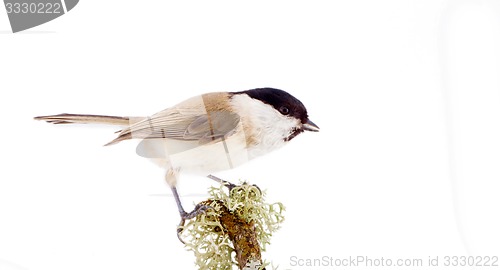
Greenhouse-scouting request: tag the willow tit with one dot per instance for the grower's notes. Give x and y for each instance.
(208, 133)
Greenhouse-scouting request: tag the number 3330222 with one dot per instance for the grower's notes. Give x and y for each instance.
(33, 8)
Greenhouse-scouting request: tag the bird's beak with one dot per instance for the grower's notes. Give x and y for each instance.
(310, 126)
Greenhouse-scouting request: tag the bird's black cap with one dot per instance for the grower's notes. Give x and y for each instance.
(282, 101)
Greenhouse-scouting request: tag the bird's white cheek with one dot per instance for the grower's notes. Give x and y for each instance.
(271, 134)
(269, 127)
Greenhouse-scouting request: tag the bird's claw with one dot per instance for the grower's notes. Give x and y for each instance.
(227, 184)
(200, 209)
(258, 188)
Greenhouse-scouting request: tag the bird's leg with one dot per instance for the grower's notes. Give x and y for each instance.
(171, 178)
(228, 184)
(199, 209)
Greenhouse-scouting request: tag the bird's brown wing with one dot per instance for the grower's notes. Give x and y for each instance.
(192, 120)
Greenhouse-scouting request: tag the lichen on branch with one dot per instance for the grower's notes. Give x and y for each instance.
(234, 230)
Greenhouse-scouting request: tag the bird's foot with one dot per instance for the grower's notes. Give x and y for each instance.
(227, 184)
(200, 209)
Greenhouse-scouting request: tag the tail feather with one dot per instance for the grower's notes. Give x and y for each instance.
(66, 118)
(119, 139)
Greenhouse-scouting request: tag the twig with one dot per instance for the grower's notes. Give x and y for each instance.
(240, 222)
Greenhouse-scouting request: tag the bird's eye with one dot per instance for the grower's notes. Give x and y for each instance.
(284, 110)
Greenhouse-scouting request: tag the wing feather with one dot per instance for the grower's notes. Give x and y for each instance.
(188, 121)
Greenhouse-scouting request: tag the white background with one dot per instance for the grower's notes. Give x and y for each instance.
(407, 95)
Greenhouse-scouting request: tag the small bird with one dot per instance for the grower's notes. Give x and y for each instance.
(208, 133)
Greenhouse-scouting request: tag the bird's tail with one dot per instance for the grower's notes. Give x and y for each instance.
(66, 118)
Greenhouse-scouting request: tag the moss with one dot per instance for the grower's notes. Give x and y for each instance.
(235, 230)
